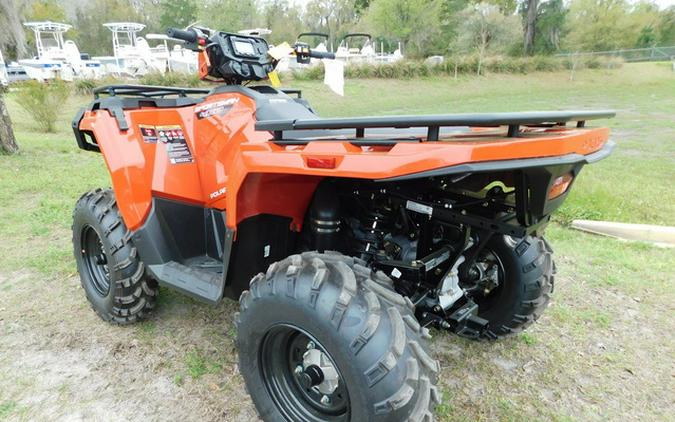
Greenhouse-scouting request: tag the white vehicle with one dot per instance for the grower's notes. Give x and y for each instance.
(366, 53)
(57, 58)
(4, 79)
(132, 55)
(177, 58)
(349, 54)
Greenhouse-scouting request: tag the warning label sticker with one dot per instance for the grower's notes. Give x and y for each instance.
(176, 146)
(219, 108)
(149, 134)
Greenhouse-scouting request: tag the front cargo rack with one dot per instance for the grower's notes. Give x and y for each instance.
(433, 124)
(146, 91)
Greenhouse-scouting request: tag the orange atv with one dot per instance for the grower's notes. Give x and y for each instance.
(343, 239)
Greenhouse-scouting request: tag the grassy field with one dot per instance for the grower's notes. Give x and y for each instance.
(603, 351)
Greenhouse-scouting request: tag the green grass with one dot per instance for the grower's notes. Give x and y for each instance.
(612, 309)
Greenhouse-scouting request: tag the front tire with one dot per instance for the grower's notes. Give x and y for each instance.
(373, 363)
(111, 272)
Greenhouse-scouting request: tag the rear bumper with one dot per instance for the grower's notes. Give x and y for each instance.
(518, 164)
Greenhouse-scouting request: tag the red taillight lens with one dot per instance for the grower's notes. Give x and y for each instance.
(560, 185)
(321, 163)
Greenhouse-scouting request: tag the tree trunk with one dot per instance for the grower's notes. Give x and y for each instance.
(530, 23)
(7, 140)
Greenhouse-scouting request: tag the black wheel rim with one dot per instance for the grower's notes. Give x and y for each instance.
(95, 260)
(487, 300)
(284, 356)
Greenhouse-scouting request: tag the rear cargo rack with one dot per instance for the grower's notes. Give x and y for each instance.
(433, 123)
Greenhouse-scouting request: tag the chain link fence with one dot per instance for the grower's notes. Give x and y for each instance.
(632, 55)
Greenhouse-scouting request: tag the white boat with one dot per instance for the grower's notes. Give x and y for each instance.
(132, 55)
(366, 53)
(57, 58)
(177, 58)
(16, 73)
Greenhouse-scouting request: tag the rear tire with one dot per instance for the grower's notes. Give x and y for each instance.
(526, 284)
(112, 275)
(361, 326)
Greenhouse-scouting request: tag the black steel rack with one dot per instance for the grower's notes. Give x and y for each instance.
(432, 123)
(146, 91)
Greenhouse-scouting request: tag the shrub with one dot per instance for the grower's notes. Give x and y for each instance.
(171, 79)
(85, 86)
(43, 101)
(463, 65)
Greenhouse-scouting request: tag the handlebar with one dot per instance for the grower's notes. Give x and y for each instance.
(189, 36)
(321, 55)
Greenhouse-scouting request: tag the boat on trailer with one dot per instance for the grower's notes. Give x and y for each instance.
(175, 57)
(366, 53)
(132, 55)
(57, 58)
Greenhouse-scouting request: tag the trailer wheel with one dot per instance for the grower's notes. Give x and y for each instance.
(323, 338)
(523, 270)
(112, 275)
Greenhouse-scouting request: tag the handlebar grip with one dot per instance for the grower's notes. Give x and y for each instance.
(188, 36)
(321, 55)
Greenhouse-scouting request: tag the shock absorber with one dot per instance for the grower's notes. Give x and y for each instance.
(375, 225)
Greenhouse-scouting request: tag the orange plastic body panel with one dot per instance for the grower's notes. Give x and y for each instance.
(236, 169)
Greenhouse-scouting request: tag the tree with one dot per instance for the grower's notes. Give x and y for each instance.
(283, 19)
(229, 15)
(7, 141)
(595, 25)
(530, 25)
(550, 27)
(334, 17)
(12, 36)
(484, 30)
(92, 36)
(177, 13)
(666, 27)
(46, 10)
(413, 22)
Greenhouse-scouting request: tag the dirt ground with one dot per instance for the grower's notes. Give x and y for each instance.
(60, 362)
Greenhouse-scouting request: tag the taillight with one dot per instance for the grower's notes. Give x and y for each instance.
(560, 185)
(321, 163)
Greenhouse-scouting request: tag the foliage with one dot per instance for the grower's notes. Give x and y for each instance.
(12, 36)
(177, 13)
(93, 37)
(46, 10)
(484, 30)
(171, 79)
(425, 27)
(666, 27)
(599, 25)
(43, 101)
(413, 22)
(283, 20)
(464, 65)
(550, 26)
(228, 15)
(333, 17)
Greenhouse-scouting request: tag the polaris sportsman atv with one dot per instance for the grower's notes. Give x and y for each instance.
(343, 239)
